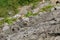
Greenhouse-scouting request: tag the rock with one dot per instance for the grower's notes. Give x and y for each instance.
(33, 37)
(57, 38)
(24, 9)
(53, 2)
(17, 16)
(38, 28)
(52, 38)
(25, 19)
(6, 27)
(36, 10)
(14, 28)
(1, 18)
(0, 30)
(3, 36)
(40, 38)
(58, 7)
(52, 9)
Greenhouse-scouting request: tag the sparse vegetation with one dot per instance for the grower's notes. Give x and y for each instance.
(7, 6)
(46, 8)
(1, 22)
(12, 5)
(29, 13)
(7, 20)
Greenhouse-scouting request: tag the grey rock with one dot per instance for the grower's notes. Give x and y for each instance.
(38, 29)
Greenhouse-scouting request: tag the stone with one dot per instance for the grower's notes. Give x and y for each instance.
(25, 19)
(40, 38)
(57, 38)
(6, 27)
(36, 10)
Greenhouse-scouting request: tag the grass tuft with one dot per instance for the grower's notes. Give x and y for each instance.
(46, 8)
(29, 13)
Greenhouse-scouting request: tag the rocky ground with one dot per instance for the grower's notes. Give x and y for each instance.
(44, 26)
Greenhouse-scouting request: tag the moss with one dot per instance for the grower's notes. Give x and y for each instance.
(29, 13)
(12, 5)
(34, 5)
(1, 22)
(27, 2)
(46, 8)
(7, 20)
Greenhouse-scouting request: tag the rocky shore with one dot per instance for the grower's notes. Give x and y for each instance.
(44, 26)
